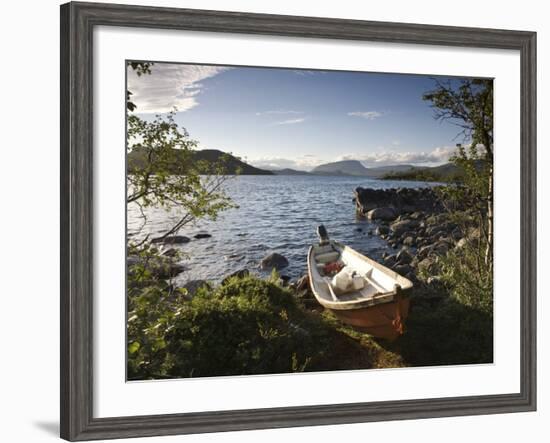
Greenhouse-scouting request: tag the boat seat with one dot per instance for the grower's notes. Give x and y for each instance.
(327, 257)
(321, 249)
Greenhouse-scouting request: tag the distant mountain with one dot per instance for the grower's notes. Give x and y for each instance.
(231, 163)
(381, 171)
(356, 169)
(344, 167)
(352, 168)
(447, 172)
(204, 158)
(289, 171)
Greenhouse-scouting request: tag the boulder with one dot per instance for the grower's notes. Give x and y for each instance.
(384, 213)
(425, 251)
(192, 286)
(274, 261)
(302, 283)
(170, 252)
(402, 269)
(159, 266)
(402, 226)
(241, 273)
(285, 279)
(456, 234)
(390, 261)
(404, 256)
(382, 230)
(427, 265)
(402, 200)
(417, 215)
(441, 247)
(172, 240)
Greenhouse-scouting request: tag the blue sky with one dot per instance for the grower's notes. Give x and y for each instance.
(275, 118)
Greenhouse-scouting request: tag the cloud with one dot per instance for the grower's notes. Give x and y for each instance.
(304, 163)
(387, 157)
(168, 86)
(292, 121)
(369, 115)
(279, 112)
(306, 72)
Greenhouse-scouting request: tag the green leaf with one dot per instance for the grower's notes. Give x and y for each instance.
(133, 347)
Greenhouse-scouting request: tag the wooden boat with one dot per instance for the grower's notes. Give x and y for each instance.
(375, 302)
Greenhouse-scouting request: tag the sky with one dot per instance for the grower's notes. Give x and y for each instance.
(277, 118)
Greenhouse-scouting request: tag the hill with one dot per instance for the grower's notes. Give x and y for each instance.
(447, 172)
(289, 171)
(355, 168)
(232, 163)
(205, 158)
(344, 167)
(381, 171)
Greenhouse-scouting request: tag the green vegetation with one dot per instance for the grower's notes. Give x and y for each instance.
(204, 161)
(443, 174)
(443, 331)
(246, 326)
(459, 307)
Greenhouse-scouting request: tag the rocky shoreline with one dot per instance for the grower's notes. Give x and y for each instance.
(415, 223)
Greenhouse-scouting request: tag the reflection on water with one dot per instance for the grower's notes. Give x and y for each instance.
(275, 214)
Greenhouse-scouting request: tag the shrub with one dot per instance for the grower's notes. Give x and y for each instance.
(468, 278)
(247, 326)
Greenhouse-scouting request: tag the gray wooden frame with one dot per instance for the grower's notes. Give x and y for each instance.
(77, 24)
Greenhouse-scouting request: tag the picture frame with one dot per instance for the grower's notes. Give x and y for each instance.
(77, 214)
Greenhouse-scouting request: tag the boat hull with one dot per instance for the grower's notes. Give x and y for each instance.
(383, 321)
(382, 312)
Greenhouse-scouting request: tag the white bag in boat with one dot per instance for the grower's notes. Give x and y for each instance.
(358, 281)
(347, 280)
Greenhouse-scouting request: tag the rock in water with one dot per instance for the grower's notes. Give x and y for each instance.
(172, 240)
(274, 261)
(382, 230)
(160, 267)
(202, 235)
(170, 252)
(385, 214)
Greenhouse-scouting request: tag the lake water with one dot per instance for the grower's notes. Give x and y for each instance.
(275, 214)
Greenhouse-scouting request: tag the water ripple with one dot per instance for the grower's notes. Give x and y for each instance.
(275, 214)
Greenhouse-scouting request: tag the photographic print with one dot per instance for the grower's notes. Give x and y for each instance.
(287, 220)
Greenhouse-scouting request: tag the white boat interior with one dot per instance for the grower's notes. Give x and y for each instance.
(357, 278)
